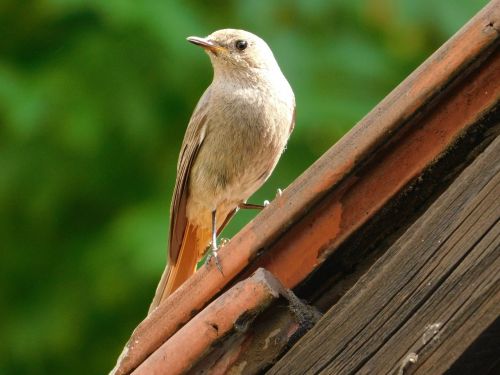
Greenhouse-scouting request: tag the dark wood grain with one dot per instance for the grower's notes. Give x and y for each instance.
(427, 299)
(482, 356)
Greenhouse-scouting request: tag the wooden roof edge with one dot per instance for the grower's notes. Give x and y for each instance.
(269, 232)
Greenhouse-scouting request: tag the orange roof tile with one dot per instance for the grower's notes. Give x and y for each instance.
(183, 349)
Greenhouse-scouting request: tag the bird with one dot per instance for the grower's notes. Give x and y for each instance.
(232, 143)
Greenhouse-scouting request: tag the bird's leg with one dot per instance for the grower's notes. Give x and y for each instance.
(251, 206)
(213, 246)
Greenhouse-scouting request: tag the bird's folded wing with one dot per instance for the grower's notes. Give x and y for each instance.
(193, 139)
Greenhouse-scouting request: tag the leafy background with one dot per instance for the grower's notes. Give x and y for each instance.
(94, 100)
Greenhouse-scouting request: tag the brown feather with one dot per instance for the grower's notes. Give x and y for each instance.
(185, 240)
(194, 242)
(193, 139)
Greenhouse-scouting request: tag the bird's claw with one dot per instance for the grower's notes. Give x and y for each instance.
(213, 254)
(279, 193)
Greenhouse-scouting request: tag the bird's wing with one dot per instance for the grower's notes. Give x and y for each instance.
(193, 139)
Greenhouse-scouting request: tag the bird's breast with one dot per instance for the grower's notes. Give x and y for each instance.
(247, 130)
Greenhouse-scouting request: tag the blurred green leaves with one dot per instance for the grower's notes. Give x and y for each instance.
(94, 100)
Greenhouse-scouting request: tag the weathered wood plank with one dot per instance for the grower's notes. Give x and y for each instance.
(429, 296)
(478, 357)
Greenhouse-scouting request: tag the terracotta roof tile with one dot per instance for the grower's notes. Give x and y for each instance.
(226, 313)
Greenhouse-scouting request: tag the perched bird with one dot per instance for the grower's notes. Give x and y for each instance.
(233, 141)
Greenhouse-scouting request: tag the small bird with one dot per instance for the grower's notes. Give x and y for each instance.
(233, 141)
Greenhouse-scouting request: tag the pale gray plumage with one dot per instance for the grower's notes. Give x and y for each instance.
(233, 141)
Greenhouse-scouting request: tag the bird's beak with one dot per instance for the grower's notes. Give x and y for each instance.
(205, 43)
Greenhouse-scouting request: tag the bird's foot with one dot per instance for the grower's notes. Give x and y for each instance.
(251, 206)
(213, 254)
(279, 193)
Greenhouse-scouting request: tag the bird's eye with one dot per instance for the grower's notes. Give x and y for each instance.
(241, 44)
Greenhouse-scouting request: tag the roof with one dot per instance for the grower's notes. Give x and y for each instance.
(332, 224)
(427, 299)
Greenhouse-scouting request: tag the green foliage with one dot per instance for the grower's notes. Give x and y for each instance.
(94, 100)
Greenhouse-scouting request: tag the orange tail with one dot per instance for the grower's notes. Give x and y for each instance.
(194, 243)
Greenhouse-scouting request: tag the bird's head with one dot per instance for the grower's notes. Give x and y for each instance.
(236, 49)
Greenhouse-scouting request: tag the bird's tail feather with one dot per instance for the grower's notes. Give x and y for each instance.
(194, 243)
